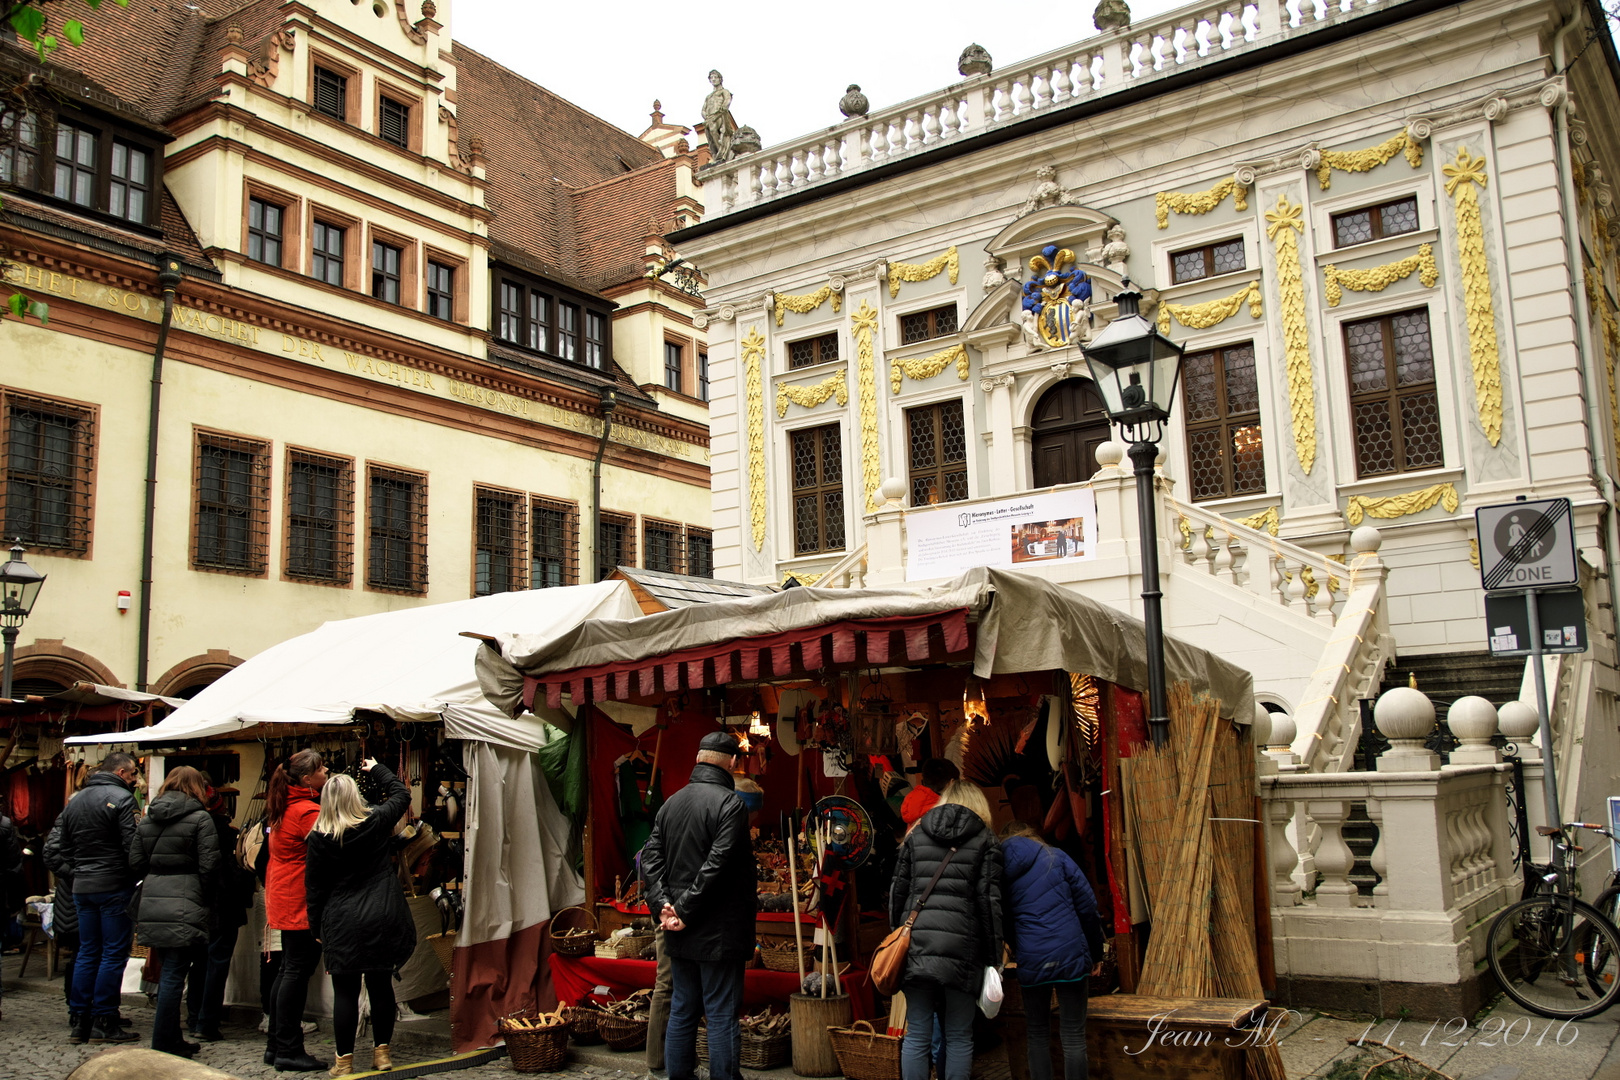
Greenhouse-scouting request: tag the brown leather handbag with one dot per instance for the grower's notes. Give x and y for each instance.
(889, 959)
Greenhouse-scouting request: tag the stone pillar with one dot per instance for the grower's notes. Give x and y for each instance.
(1003, 446)
(885, 541)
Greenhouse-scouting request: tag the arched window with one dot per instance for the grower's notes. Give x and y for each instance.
(1068, 425)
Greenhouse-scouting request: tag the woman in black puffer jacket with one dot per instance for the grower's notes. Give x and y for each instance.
(357, 910)
(958, 932)
(174, 850)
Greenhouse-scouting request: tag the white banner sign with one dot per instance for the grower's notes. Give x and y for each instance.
(1025, 531)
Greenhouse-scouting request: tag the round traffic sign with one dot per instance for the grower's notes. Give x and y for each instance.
(1512, 528)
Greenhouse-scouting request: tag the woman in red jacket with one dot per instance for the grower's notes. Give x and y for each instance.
(293, 803)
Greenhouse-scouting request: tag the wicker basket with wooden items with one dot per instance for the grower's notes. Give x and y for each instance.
(624, 1023)
(866, 1055)
(535, 1043)
(573, 932)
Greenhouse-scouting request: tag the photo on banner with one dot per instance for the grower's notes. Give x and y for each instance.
(1019, 533)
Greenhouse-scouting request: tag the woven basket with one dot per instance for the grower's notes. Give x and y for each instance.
(866, 1055)
(784, 957)
(627, 947)
(537, 1050)
(623, 1032)
(444, 947)
(703, 1044)
(766, 1051)
(584, 1024)
(575, 944)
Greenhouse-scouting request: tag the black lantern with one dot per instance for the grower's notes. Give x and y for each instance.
(19, 588)
(1134, 367)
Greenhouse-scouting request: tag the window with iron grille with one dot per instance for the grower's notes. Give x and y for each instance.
(76, 159)
(1394, 408)
(553, 544)
(396, 530)
(499, 533)
(672, 366)
(232, 498)
(615, 543)
(661, 547)
(19, 148)
(130, 189)
(1193, 264)
(818, 489)
(596, 331)
(933, 323)
(822, 349)
(441, 290)
(320, 518)
(1375, 222)
(699, 552)
(331, 93)
(1225, 453)
(326, 263)
(264, 231)
(938, 453)
(394, 121)
(49, 460)
(703, 376)
(385, 262)
(568, 331)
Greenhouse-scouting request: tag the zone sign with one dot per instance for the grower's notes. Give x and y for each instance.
(1526, 545)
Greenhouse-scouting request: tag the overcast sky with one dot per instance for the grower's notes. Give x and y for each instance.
(787, 63)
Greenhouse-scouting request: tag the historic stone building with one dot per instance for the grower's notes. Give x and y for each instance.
(388, 286)
(1384, 233)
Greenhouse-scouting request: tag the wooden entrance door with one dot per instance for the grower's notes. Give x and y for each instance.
(1068, 425)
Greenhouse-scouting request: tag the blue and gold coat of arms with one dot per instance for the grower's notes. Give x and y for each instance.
(1057, 295)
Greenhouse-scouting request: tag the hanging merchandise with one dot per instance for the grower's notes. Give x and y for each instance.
(848, 828)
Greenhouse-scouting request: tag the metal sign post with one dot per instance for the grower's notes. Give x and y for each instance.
(1549, 782)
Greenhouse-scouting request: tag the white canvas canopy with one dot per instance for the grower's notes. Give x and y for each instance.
(411, 664)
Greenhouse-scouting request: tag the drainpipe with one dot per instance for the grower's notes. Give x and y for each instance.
(169, 278)
(610, 400)
(1602, 463)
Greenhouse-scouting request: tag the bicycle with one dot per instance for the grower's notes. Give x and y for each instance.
(1553, 953)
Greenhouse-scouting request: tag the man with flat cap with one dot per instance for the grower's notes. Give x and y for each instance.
(699, 867)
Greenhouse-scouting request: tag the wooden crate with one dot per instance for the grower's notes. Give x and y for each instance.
(1129, 1037)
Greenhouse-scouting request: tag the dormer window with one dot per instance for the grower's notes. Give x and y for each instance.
(131, 185)
(540, 318)
(19, 149)
(331, 93)
(81, 161)
(75, 164)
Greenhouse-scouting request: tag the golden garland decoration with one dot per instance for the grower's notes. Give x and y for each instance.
(804, 579)
(900, 271)
(1203, 316)
(866, 322)
(1368, 159)
(805, 303)
(1611, 347)
(926, 367)
(1473, 554)
(753, 354)
(808, 397)
(1264, 521)
(1199, 202)
(1463, 176)
(1287, 223)
(1379, 278)
(1394, 506)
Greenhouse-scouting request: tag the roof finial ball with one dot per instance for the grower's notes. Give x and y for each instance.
(975, 60)
(1111, 15)
(853, 103)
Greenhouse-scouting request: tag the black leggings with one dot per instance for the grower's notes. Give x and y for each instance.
(346, 1008)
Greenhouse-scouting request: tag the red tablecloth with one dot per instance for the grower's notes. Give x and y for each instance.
(576, 978)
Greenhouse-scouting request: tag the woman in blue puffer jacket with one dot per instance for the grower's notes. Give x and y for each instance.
(1056, 940)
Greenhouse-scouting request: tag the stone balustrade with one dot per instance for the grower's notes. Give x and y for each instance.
(1107, 63)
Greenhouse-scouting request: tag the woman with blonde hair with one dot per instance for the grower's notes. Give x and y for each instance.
(176, 849)
(949, 873)
(357, 910)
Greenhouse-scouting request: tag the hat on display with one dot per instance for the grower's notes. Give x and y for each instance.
(721, 743)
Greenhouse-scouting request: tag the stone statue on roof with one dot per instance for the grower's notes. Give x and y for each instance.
(719, 127)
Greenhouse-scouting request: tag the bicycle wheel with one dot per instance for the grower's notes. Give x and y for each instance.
(1556, 960)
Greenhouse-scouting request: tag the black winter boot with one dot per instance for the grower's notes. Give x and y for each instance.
(78, 1027)
(106, 1029)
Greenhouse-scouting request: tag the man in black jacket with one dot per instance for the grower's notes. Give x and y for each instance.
(699, 866)
(97, 828)
(11, 871)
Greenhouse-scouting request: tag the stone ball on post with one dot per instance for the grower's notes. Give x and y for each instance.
(1473, 720)
(893, 491)
(1366, 540)
(1110, 453)
(1518, 724)
(1283, 730)
(1405, 716)
(1260, 727)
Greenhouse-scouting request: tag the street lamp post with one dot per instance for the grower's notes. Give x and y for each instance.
(19, 587)
(1135, 369)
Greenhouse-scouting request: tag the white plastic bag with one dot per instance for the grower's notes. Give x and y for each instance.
(990, 993)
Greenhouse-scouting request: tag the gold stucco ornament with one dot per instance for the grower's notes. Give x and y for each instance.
(753, 355)
(926, 367)
(866, 322)
(804, 303)
(1379, 278)
(1264, 521)
(1462, 178)
(1611, 346)
(1393, 506)
(901, 272)
(1203, 316)
(808, 397)
(1285, 225)
(1199, 202)
(1368, 159)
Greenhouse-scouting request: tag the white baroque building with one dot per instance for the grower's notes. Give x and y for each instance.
(1383, 231)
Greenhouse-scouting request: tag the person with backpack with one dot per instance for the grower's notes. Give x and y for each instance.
(230, 894)
(176, 849)
(293, 802)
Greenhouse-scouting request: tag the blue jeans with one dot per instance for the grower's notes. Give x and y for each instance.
(954, 1009)
(1071, 999)
(712, 989)
(171, 992)
(205, 991)
(105, 930)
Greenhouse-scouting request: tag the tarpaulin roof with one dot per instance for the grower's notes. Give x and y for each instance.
(412, 664)
(1002, 621)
